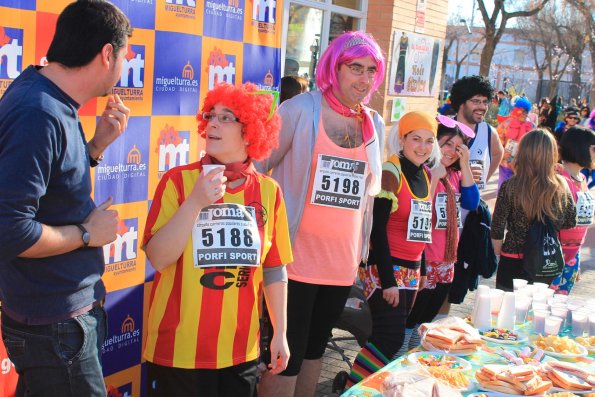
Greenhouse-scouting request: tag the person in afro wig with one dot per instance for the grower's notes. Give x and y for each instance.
(254, 109)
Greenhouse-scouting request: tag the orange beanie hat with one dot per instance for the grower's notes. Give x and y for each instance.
(417, 120)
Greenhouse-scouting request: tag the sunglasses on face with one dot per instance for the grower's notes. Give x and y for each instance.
(452, 123)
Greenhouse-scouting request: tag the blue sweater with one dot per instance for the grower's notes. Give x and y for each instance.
(44, 179)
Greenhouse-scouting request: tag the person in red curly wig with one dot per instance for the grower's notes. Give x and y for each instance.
(217, 234)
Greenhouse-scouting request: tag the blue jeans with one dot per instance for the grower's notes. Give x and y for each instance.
(61, 359)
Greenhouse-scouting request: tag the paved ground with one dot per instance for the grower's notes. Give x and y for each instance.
(332, 362)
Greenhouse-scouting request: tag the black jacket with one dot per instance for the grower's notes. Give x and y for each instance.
(475, 253)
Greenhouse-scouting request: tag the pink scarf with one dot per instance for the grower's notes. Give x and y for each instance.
(362, 113)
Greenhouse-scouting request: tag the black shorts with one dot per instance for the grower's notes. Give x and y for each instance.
(236, 381)
(312, 311)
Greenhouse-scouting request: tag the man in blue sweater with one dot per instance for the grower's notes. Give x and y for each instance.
(51, 232)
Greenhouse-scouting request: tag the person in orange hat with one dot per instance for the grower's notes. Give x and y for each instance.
(401, 229)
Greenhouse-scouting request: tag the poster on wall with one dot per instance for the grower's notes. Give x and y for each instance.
(414, 64)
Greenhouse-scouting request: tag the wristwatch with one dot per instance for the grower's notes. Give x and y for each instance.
(86, 235)
(95, 162)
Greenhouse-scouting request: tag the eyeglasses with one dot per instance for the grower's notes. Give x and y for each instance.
(572, 117)
(359, 70)
(478, 102)
(222, 117)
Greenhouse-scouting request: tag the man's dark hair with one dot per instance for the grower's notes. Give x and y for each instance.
(292, 86)
(83, 28)
(575, 146)
(467, 87)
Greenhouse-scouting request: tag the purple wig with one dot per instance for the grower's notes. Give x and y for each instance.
(343, 50)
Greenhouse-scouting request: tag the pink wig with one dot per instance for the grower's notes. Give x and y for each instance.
(343, 50)
(260, 126)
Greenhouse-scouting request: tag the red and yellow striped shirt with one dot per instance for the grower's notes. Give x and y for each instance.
(209, 317)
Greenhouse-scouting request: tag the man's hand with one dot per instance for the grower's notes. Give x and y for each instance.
(102, 224)
(111, 125)
(422, 283)
(279, 353)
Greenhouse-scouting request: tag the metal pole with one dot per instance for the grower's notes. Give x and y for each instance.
(470, 27)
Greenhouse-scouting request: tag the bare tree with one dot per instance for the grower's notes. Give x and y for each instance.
(586, 7)
(458, 40)
(540, 44)
(495, 26)
(557, 43)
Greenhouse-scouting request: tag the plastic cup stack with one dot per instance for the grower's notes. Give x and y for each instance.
(481, 289)
(483, 318)
(507, 315)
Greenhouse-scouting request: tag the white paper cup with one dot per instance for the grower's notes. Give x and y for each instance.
(560, 311)
(529, 289)
(521, 307)
(539, 320)
(541, 286)
(577, 302)
(519, 283)
(547, 292)
(540, 298)
(540, 306)
(552, 325)
(580, 323)
(206, 168)
(561, 298)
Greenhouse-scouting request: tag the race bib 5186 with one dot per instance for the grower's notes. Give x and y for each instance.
(226, 235)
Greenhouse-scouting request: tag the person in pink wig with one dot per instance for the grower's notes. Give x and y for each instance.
(329, 165)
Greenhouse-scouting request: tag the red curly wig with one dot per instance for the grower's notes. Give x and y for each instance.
(259, 128)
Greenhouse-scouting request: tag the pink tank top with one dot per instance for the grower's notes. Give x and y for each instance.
(327, 244)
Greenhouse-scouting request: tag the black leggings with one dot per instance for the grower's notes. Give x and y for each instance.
(312, 311)
(427, 305)
(388, 323)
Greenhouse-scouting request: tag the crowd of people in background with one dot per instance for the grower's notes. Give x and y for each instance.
(292, 206)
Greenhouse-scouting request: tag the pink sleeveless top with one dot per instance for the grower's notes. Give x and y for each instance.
(327, 244)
